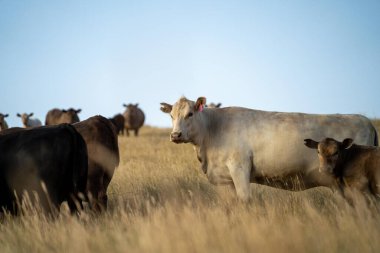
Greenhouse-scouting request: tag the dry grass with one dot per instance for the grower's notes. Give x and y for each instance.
(160, 201)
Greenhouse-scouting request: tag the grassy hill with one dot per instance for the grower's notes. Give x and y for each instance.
(160, 201)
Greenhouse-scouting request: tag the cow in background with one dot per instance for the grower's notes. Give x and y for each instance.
(134, 118)
(56, 116)
(238, 145)
(118, 121)
(103, 157)
(28, 121)
(48, 161)
(3, 123)
(213, 105)
(356, 168)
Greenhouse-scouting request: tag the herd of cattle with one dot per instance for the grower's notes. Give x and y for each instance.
(65, 160)
(74, 161)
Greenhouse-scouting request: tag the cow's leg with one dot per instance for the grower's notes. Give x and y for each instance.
(136, 132)
(127, 131)
(74, 203)
(102, 193)
(240, 173)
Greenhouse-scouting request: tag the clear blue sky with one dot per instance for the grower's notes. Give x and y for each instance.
(319, 56)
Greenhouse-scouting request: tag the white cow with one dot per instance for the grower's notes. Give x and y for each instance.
(238, 145)
(27, 121)
(3, 123)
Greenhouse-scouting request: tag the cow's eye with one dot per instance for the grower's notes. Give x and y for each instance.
(189, 115)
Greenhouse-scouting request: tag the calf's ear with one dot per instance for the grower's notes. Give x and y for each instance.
(78, 111)
(200, 104)
(311, 143)
(31, 114)
(166, 108)
(6, 115)
(347, 143)
(18, 115)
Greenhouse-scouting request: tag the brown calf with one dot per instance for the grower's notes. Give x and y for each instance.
(356, 167)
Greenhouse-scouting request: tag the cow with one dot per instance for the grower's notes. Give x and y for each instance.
(134, 118)
(356, 168)
(49, 161)
(27, 121)
(213, 105)
(103, 157)
(56, 116)
(238, 145)
(3, 123)
(118, 121)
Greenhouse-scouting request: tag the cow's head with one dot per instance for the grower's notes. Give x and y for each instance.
(132, 108)
(71, 115)
(24, 117)
(186, 118)
(329, 151)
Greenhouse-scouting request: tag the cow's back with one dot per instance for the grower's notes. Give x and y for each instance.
(55, 155)
(53, 117)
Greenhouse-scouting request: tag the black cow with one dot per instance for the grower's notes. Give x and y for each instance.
(103, 157)
(48, 161)
(118, 120)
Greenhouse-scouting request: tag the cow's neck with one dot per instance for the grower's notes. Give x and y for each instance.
(209, 124)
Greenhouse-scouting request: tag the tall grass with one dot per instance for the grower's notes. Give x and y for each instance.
(160, 201)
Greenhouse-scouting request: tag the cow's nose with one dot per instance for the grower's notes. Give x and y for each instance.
(175, 135)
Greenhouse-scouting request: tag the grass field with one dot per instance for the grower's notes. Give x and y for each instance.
(160, 201)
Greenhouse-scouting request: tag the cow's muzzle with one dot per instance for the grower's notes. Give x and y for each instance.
(176, 137)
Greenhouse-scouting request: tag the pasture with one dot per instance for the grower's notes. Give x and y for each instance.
(160, 201)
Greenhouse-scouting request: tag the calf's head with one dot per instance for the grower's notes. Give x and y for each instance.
(329, 152)
(186, 118)
(25, 117)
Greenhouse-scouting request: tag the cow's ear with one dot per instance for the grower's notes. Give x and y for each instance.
(18, 115)
(200, 104)
(64, 111)
(137, 104)
(166, 108)
(347, 143)
(6, 115)
(78, 111)
(311, 143)
(218, 105)
(31, 114)
(125, 105)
